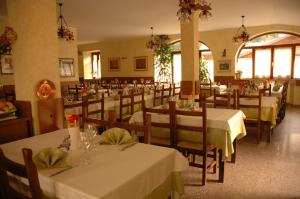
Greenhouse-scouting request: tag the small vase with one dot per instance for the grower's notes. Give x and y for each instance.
(74, 138)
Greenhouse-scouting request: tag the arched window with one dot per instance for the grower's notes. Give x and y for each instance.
(204, 53)
(271, 55)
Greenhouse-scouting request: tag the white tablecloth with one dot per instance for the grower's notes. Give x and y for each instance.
(112, 174)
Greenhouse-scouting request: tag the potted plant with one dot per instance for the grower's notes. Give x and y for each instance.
(163, 58)
(203, 71)
(238, 74)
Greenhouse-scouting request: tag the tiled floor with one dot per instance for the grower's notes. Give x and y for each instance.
(264, 171)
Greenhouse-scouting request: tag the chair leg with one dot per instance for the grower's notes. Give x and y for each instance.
(204, 169)
(233, 156)
(221, 167)
(215, 159)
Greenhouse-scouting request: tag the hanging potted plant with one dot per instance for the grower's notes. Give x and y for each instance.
(203, 71)
(238, 74)
(162, 58)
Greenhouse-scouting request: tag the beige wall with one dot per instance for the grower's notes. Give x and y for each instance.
(68, 49)
(217, 41)
(126, 50)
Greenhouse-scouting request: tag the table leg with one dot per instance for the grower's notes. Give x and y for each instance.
(233, 156)
(221, 167)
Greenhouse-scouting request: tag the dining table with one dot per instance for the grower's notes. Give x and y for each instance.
(139, 171)
(224, 126)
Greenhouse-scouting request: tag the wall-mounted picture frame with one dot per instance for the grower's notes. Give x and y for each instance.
(114, 63)
(6, 64)
(224, 66)
(140, 63)
(66, 67)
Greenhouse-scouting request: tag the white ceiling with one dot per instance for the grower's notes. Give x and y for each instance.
(99, 20)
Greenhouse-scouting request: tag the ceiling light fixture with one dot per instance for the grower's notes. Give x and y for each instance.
(152, 44)
(241, 36)
(63, 31)
(189, 6)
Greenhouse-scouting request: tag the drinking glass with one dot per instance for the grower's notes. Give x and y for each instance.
(92, 131)
(86, 144)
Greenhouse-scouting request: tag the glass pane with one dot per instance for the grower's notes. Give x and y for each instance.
(282, 62)
(207, 55)
(244, 63)
(87, 66)
(262, 63)
(274, 39)
(177, 67)
(297, 63)
(95, 65)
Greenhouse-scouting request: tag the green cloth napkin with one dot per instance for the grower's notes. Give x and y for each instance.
(115, 136)
(51, 158)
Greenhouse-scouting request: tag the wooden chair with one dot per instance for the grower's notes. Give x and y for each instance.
(195, 148)
(97, 111)
(254, 120)
(166, 93)
(176, 90)
(266, 91)
(222, 100)
(281, 113)
(157, 94)
(28, 171)
(126, 102)
(111, 122)
(206, 87)
(163, 137)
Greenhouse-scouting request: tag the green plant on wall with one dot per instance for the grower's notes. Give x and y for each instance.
(162, 58)
(203, 70)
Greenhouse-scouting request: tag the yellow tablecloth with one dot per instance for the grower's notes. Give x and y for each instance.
(224, 125)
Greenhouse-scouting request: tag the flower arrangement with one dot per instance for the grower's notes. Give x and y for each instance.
(72, 120)
(6, 40)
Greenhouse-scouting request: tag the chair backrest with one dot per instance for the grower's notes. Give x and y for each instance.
(169, 124)
(111, 122)
(98, 106)
(126, 105)
(250, 102)
(198, 127)
(138, 99)
(205, 87)
(222, 100)
(266, 91)
(176, 90)
(157, 94)
(28, 171)
(166, 93)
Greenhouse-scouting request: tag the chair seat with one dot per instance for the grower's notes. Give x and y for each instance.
(194, 145)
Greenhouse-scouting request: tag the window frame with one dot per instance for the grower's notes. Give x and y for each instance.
(272, 48)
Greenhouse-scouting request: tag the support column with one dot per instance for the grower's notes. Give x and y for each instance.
(189, 54)
(35, 53)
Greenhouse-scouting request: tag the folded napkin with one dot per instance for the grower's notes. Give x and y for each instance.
(51, 158)
(115, 136)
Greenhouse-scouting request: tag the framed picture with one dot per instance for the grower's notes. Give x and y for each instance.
(224, 65)
(66, 67)
(140, 63)
(6, 64)
(114, 63)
